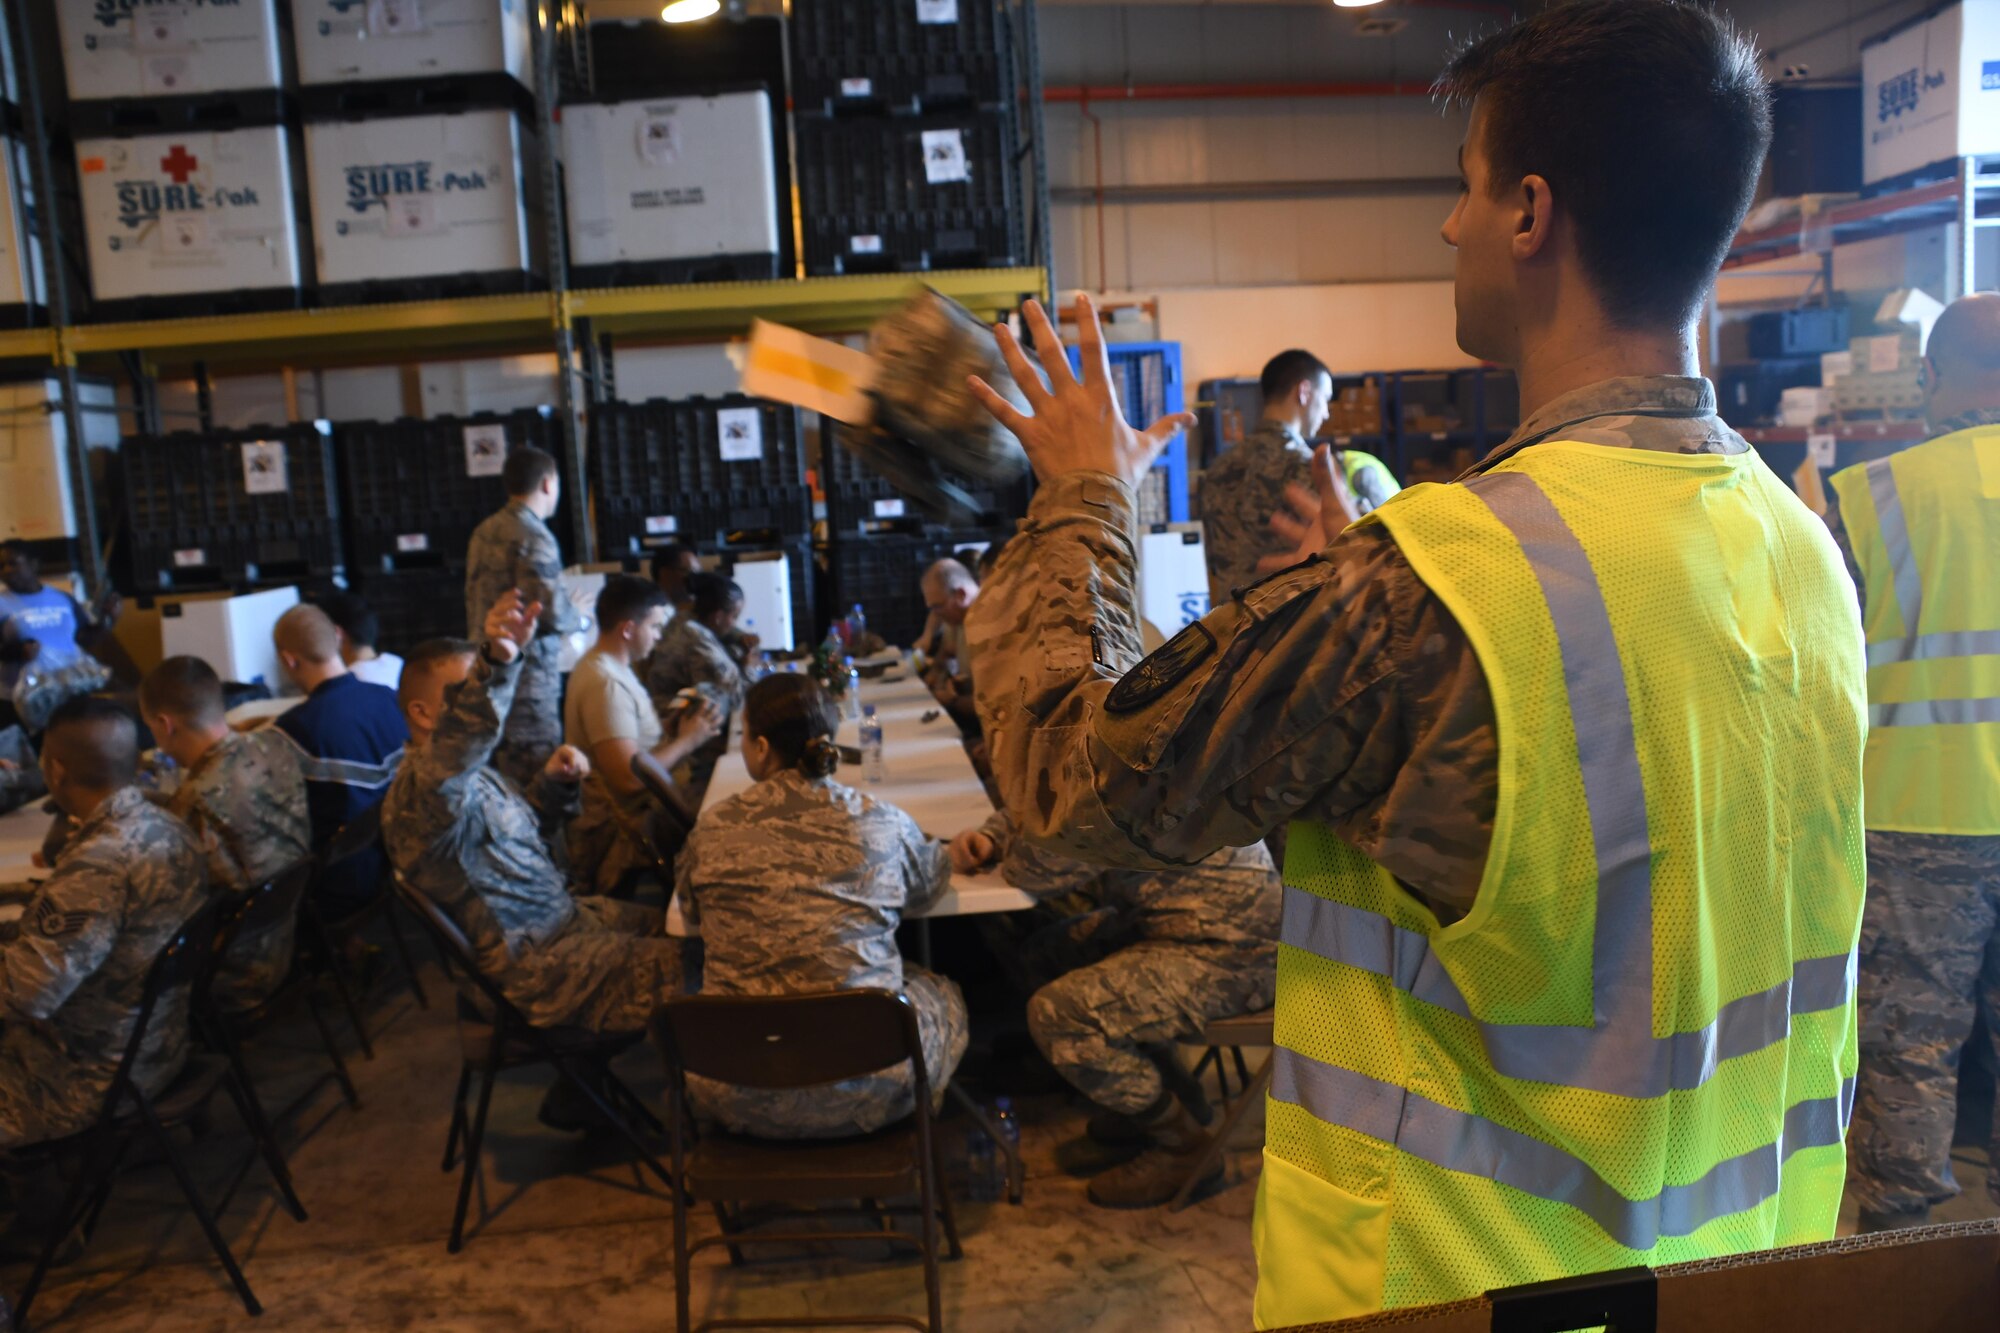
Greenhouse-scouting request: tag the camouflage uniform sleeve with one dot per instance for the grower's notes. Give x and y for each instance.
(1837, 525)
(554, 803)
(212, 836)
(926, 865)
(1304, 696)
(538, 574)
(714, 668)
(469, 731)
(66, 934)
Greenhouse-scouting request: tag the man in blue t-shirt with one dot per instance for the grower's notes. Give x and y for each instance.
(41, 624)
(351, 737)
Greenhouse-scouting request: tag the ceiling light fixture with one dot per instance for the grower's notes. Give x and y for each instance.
(690, 11)
(1355, 4)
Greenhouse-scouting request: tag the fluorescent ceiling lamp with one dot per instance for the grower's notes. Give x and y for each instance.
(689, 11)
(1355, 4)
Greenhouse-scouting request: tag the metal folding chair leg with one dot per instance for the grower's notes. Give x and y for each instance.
(1218, 1140)
(332, 1051)
(87, 1180)
(451, 1138)
(475, 1135)
(200, 1209)
(402, 947)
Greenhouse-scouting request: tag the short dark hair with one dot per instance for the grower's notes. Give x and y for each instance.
(1287, 371)
(626, 597)
(797, 718)
(97, 740)
(667, 557)
(356, 620)
(1648, 118)
(184, 687)
(423, 660)
(526, 468)
(712, 593)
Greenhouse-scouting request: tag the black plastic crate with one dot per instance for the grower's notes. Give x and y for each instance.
(884, 575)
(414, 490)
(208, 509)
(414, 605)
(861, 502)
(878, 55)
(1793, 333)
(876, 195)
(727, 471)
(1749, 393)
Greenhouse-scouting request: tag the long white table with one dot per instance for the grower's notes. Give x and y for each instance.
(929, 777)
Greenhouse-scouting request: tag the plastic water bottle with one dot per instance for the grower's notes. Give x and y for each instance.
(850, 701)
(1008, 1126)
(979, 1162)
(872, 766)
(857, 624)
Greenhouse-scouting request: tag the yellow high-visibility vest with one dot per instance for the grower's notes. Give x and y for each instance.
(1925, 528)
(1639, 1047)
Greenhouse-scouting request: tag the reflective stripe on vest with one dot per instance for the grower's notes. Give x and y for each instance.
(1896, 537)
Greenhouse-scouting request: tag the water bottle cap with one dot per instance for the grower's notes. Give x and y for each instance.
(1003, 1103)
(868, 710)
(847, 661)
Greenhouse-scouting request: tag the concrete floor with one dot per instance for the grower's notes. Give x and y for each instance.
(566, 1234)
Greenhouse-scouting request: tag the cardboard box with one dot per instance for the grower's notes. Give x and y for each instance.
(1934, 1280)
(1930, 91)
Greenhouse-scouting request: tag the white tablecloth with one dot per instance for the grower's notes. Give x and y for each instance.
(929, 777)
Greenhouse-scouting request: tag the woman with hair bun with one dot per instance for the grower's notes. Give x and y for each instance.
(798, 884)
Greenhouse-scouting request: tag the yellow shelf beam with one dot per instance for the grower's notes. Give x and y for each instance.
(387, 332)
(24, 344)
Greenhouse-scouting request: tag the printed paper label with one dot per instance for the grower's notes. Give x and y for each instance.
(739, 433)
(864, 245)
(937, 11)
(409, 215)
(662, 525)
(1819, 448)
(888, 509)
(183, 234)
(944, 157)
(485, 450)
(856, 87)
(413, 541)
(158, 30)
(394, 18)
(264, 470)
(189, 558)
(659, 141)
(163, 75)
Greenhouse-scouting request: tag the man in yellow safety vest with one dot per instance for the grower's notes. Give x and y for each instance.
(1921, 531)
(1570, 749)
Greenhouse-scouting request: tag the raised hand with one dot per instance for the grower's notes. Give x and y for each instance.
(698, 722)
(1077, 425)
(510, 625)
(1313, 517)
(568, 764)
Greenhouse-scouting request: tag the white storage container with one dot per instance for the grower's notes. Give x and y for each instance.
(675, 179)
(339, 41)
(20, 242)
(413, 197)
(231, 634)
(167, 48)
(190, 213)
(36, 504)
(766, 580)
(1931, 91)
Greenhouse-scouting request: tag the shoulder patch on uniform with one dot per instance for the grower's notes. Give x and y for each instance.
(54, 923)
(1165, 668)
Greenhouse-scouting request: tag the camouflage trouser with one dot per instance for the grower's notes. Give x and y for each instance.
(858, 1106)
(533, 730)
(606, 972)
(1930, 954)
(1092, 1023)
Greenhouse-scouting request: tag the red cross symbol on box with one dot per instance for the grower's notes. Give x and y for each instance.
(179, 163)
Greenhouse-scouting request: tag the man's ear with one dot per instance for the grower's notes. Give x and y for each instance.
(1535, 224)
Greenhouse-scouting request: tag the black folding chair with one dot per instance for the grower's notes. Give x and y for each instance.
(501, 1038)
(351, 839)
(128, 1114)
(801, 1041)
(255, 911)
(1229, 1034)
(677, 816)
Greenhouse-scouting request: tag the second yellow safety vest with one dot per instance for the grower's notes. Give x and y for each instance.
(1639, 1047)
(1925, 528)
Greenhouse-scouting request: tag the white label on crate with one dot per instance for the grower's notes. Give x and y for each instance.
(158, 30)
(485, 450)
(164, 75)
(264, 468)
(739, 433)
(944, 157)
(888, 509)
(409, 215)
(856, 87)
(662, 525)
(394, 18)
(189, 558)
(659, 141)
(1819, 448)
(864, 245)
(413, 541)
(937, 11)
(183, 234)
(1885, 352)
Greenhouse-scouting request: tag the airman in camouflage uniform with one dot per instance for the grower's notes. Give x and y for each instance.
(798, 885)
(245, 801)
(515, 549)
(72, 976)
(1239, 493)
(1204, 946)
(690, 655)
(463, 835)
(1928, 958)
